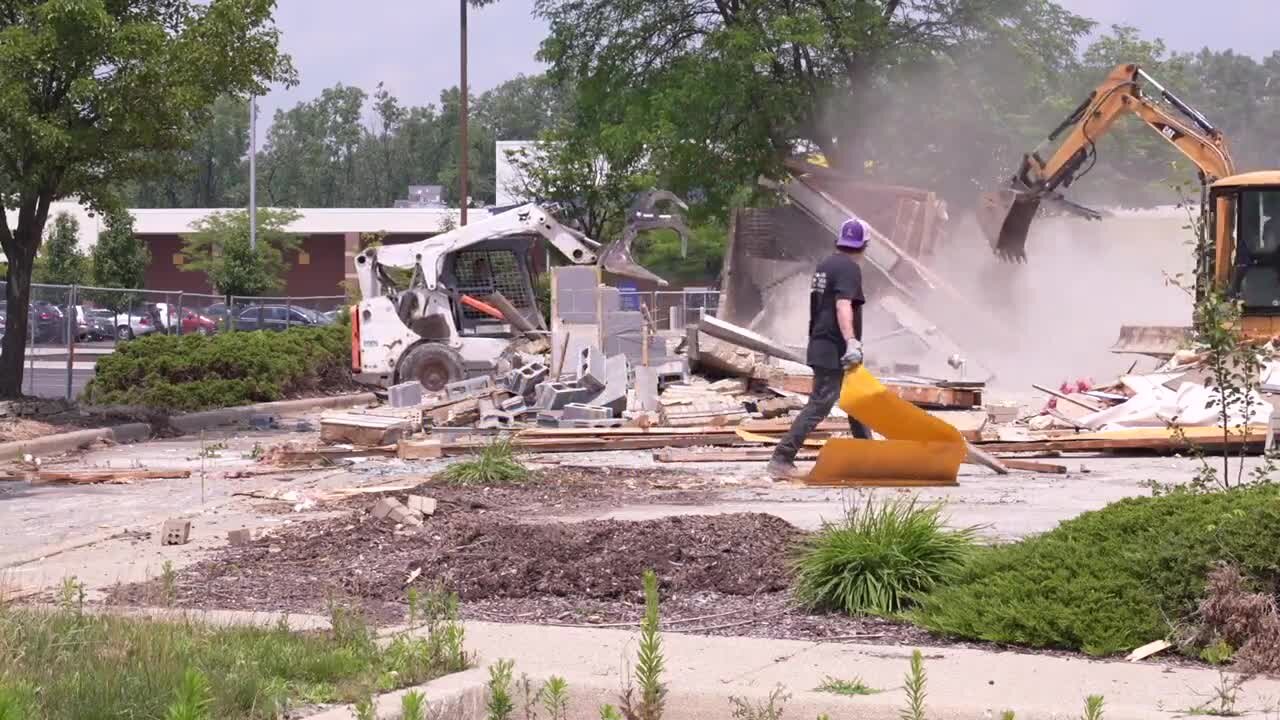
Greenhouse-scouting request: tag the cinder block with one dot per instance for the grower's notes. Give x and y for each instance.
(580, 411)
(614, 394)
(384, 507)
(549, 418)
(406, 394)
(575, 293)
(673, 371)
(496, 420)
(646, 387)
(421, 504)
(555, 395)
(243, 536)
(469, 387)
(512, 404)
(590, 369)
(175, 532)
(523, 380)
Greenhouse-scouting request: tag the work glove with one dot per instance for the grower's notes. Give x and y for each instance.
(853, 355)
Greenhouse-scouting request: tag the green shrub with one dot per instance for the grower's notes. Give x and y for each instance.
(495, 464)
(1114, 579)
(196, 372)
(879, 557)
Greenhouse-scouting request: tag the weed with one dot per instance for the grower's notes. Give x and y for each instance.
(365, 709)
(554, 696)
(1222, 698)
(1237, 625)
(413, 706)
(649, 660)
(500, 705)
(349, 628)
(770, 709)
(609, 712)
(1007, 715)
(193, 700)
(15, 703)
(494, 464)
(71, 595)
(915, 687)
(256, 452)
(878, 558)
(845, 687)
(1093, 708)
(168, 583)
(212, 450)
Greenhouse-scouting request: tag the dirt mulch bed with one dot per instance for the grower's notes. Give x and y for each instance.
(483, 555)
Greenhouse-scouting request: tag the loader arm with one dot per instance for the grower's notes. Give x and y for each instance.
(1006, 216)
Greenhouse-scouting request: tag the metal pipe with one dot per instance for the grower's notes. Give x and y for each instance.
(72, 326)
(253, 174)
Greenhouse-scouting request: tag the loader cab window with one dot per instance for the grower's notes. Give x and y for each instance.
(1258, 250)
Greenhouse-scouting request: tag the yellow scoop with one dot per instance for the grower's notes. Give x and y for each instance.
(919, 449)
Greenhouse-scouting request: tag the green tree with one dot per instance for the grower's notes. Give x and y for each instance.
(211, 172)
(60, 261)
(119, 260)
(220, 249)
(91, 90)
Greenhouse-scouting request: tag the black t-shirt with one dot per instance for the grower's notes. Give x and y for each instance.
(836, 278)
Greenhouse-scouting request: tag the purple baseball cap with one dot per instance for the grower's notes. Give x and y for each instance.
(853, 236)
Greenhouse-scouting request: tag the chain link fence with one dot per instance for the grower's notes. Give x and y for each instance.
(69, 326)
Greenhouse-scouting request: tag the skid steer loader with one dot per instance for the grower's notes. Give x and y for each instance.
(1241, 213)
(446, 308)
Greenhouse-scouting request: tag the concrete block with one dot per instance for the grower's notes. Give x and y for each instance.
(670, 372)
(402, 515)
(469, 387)
(579, 336)
(421, 504)
(523, 380)
(646, 388)
(243, 536)
(384, 507)
(406, 394)
(614, 395)
(574, 293)
(581, 411)
(590, 369)
(549, 418)
(555, 395)
(175, 532)
(496, 421)
(512, 404)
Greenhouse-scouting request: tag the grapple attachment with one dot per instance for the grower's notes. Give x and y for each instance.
(642, 217)
(1005, 218)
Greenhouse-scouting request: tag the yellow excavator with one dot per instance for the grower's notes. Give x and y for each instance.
(1241, 212)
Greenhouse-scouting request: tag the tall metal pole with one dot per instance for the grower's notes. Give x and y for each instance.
(464, 149)
(253, 173)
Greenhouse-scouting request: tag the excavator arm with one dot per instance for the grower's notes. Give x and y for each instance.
(1005, 216)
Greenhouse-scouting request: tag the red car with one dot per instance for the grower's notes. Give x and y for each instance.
(192, 321)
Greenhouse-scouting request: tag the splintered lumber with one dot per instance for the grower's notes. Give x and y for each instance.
(91, 477)
(1066, 398)
(985, 459)
(1150, 439)
(361, 429)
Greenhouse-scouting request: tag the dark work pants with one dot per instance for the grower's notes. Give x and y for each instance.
(826, 390)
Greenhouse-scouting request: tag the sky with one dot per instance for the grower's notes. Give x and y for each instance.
(412, 45)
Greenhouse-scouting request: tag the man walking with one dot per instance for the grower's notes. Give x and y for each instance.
(835, 343)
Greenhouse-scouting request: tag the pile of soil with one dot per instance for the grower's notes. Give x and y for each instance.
(488, 556)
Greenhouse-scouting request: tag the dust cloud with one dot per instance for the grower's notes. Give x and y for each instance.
(1056, 317)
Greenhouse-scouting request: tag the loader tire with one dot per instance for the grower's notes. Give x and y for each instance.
(431, 364)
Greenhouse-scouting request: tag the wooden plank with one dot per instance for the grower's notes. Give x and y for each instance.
(1032, 466)
(1154, 439)
(587, 444)
(926, 396)
(424, 449)
(90, 477)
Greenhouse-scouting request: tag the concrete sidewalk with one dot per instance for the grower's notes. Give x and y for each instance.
(702, 672)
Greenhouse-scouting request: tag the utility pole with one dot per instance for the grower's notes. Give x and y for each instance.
(253, 173)
(463, 151)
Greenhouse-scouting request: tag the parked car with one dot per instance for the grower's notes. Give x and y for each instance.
(94, 323)
(277, 317)
(192, 322)
(45, 321)
(142, 321)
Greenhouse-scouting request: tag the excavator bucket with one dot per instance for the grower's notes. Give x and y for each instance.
(918, 449)
(1005, 218)
(1160, 341)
